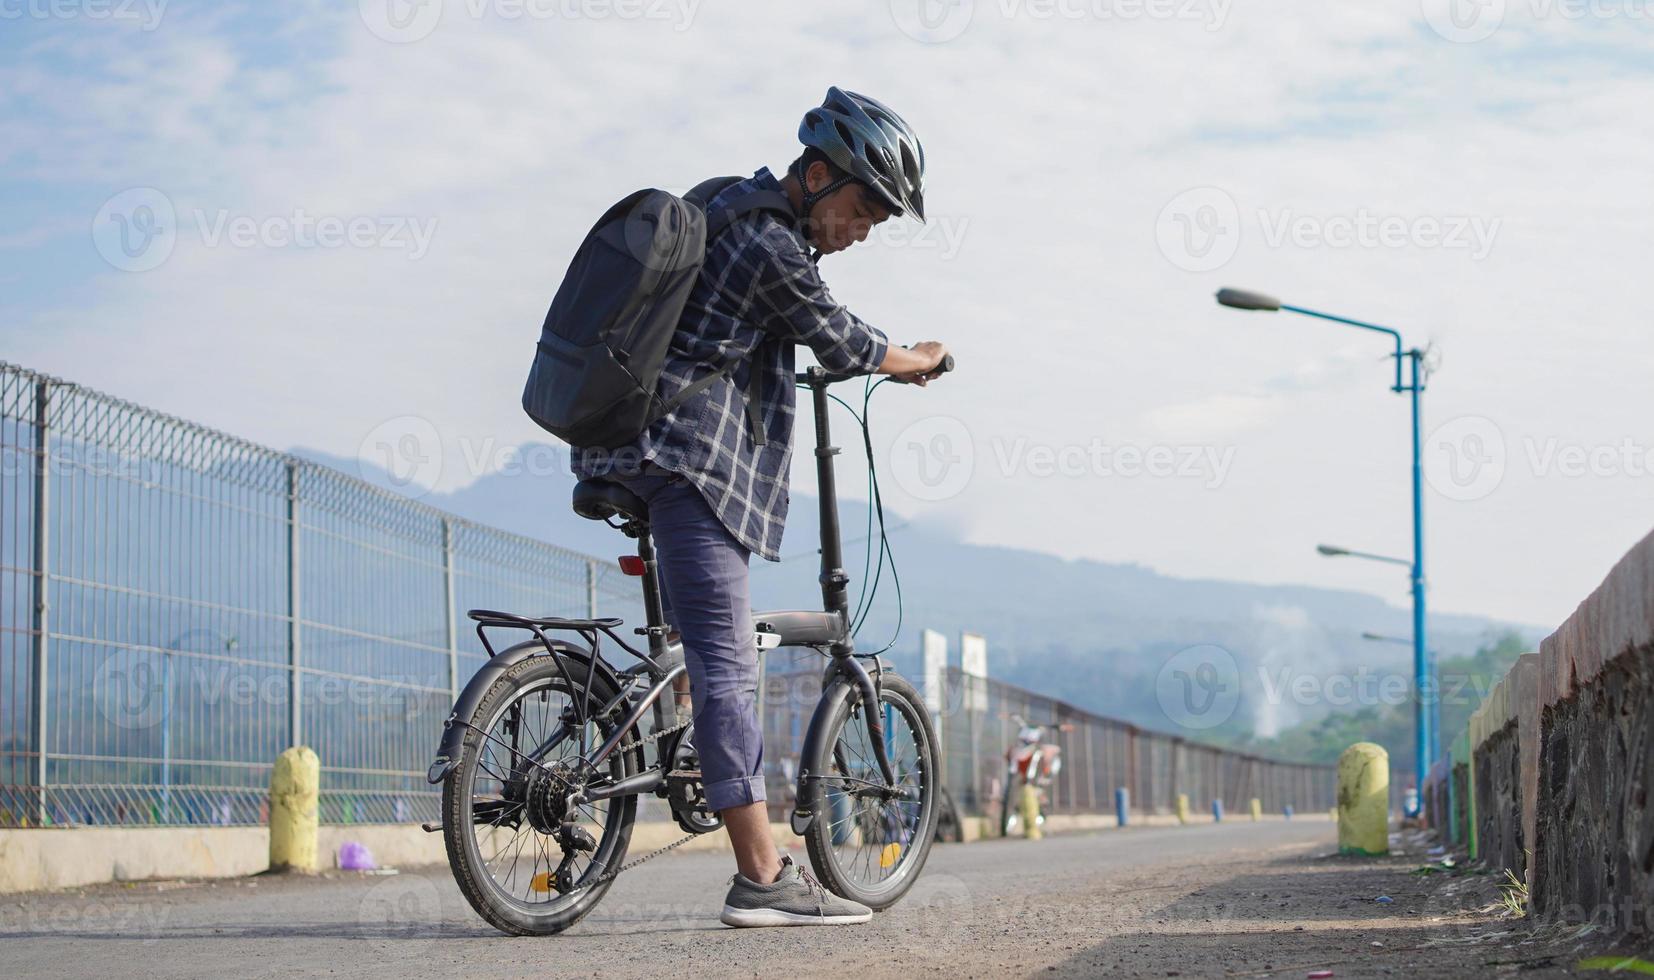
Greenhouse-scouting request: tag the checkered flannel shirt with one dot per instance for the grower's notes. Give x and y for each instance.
(759, 295)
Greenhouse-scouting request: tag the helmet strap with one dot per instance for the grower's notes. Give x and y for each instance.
(809, 199)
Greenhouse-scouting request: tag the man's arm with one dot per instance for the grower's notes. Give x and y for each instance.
(801, 309)
(917, 364)
(796, 306)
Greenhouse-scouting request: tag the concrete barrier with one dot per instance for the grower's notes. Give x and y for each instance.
(1561, 754)
(1504, 735)
(1363, 812)
(1594, 830)
(295, 783)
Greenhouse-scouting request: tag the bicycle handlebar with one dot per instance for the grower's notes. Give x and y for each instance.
(814, 374)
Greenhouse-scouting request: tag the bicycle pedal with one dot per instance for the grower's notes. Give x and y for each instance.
(684, 774)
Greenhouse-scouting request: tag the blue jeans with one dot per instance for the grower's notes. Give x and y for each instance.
(703, 573)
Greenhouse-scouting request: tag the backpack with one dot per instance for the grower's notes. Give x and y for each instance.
(597, 365)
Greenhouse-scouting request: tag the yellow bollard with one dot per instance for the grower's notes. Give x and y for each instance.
(1257, 808)
(1030, 813)
(293, 816)
(1363, 800)
(1183, 808)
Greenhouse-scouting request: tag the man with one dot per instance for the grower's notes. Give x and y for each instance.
(714, 470)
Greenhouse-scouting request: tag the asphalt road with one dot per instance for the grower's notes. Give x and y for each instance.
(1102, 903)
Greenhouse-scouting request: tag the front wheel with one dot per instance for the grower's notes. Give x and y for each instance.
(866, 844)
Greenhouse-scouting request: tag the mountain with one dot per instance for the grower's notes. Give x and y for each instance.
(1100, 635)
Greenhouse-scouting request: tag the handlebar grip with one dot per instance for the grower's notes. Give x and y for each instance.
(947, 363)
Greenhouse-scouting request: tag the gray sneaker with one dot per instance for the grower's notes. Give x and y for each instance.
(794, 899)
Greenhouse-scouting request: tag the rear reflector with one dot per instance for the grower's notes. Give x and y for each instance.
(631, 564)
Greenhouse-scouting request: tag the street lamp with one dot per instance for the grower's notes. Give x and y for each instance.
(1333, 551)
(1241, 299)
(1432, 715)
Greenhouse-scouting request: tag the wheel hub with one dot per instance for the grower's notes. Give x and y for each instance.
(546, 798)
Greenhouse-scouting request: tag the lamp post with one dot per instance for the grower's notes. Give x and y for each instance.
(1430, 696)
(1241, 299)
(1435, 715)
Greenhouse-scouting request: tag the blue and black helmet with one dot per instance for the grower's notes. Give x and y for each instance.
(865, 139)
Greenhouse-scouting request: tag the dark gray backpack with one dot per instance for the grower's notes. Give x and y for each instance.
(595, 373)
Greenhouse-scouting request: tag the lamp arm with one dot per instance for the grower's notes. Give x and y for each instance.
(1394, 334)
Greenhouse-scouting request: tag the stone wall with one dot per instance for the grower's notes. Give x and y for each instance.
(1562, 759)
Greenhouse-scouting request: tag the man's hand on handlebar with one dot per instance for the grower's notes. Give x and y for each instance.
(919, 364)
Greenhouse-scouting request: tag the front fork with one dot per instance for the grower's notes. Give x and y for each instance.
(804, 812)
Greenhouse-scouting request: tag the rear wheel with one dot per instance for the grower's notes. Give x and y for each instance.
(864, 844)
(521, 856)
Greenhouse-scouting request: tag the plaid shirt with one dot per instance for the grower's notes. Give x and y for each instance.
(758, 296)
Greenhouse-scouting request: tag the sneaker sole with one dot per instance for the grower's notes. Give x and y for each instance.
(748, 918)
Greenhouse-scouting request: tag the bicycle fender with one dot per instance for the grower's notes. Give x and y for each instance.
(453, 732)
(837, 685)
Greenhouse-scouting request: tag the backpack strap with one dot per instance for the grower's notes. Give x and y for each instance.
(772, 201)
(755, 392)
(716, 222)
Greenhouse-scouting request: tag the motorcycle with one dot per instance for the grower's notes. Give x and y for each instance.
(1030, 762)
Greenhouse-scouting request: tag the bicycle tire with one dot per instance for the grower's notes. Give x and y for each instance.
(840, 700)
(465, 858)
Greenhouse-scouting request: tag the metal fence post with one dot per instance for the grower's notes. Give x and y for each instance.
(448, 608)
(591, 589)
(43, 572)
(295, 717)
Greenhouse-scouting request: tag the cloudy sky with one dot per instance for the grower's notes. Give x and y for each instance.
(337, 225)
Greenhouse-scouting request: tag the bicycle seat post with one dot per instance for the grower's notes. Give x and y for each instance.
(654, 608)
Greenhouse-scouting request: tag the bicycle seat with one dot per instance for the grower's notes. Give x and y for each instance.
(599, 500)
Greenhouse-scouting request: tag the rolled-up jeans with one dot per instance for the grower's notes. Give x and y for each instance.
(703, 573)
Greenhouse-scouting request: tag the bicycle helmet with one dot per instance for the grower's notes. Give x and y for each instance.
(871, 144)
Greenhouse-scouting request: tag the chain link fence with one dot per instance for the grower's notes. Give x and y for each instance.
(178, 605)
(977, 722)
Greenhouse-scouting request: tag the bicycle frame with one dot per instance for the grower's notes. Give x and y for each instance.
(828, 628)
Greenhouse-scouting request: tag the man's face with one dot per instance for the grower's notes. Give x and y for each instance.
(844, 217)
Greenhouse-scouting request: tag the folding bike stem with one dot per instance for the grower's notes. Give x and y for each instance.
(835, 594)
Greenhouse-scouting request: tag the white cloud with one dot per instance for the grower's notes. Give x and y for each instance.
(1055, 145)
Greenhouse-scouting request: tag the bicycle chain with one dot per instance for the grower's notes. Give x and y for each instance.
(608, 876)
(629, 746)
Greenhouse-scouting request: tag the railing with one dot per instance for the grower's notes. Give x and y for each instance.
(178, 605)
(976, 727)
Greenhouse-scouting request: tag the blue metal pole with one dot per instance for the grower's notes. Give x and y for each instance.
(1423, 688)
(1122, 805)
